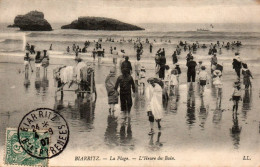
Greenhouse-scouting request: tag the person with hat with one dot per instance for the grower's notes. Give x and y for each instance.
(174, 57)
(45, 59)
(126, 82)
(121, 55)
(236, 95)
(214, 62)
(38, 60)
(191, 72)
(198, 68)
(237, 65)
(111, 92)
(126, 65)
(162, 66)
(246, 76)
(177, 67)
(100, 53)
(189, 55)
(217, 82)
(154, 105)
(142, 79)
(27, 60)
(115, 55)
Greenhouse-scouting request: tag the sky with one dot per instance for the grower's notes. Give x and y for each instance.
(138, 11)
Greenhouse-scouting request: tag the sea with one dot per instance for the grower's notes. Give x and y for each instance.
(12, 40)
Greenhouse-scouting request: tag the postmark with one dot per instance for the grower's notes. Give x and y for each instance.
(14, 153)
(50, 121)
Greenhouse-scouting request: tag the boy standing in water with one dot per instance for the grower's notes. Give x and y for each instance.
(125, 82)
(236, 96)
(203, 79)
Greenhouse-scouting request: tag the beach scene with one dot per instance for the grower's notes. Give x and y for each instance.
(216, 123)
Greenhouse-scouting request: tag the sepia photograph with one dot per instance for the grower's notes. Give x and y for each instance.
(129, 83)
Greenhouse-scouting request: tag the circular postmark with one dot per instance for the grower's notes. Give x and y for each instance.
(43, 133)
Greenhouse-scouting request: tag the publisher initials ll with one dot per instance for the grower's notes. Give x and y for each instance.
(246, 158)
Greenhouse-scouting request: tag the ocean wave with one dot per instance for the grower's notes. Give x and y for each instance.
(6, 41)
(150, 35)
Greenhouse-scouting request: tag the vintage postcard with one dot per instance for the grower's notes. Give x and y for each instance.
(129, 83)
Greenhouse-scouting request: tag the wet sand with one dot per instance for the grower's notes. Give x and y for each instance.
(191, 125)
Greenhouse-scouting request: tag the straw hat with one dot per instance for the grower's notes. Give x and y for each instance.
(217, 72)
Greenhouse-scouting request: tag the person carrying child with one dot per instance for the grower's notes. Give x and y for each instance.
(246, 76)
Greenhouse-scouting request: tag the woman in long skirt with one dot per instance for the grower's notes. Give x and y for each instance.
(154, 98)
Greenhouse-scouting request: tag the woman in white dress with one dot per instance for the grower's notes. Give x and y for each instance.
(154, 99)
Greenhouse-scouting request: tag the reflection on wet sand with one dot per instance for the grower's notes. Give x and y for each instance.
(126, 133)
(157, 145)
(235, 131)
(26, 80)
(37, 82)
(203, 113)
(190, 116)
(111, 137)
(83, 109)
(45, 81)
(139, 102)
(173, 101)
(246, 103)
(217, 114)
(41, 83)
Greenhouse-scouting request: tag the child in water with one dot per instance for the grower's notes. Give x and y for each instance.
(198, 69)
(203, 79)
(177, 67)
(217, 82)
(236, 96)
(173, 81)
(142, 79)
(154, 98)
(111, 92)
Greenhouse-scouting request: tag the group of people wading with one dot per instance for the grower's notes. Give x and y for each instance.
(166, 80)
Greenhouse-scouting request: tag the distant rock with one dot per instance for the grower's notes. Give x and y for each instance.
(32, 21)
(100, 23)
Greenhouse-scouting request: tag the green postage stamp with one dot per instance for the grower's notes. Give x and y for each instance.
(15, 154)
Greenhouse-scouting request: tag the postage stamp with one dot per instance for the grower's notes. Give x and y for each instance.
(15, 154)
(43, 147)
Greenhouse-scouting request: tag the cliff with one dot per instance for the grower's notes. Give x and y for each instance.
(32, 21)
(100, 23)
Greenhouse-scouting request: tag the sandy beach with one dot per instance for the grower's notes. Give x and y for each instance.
(185, 123)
